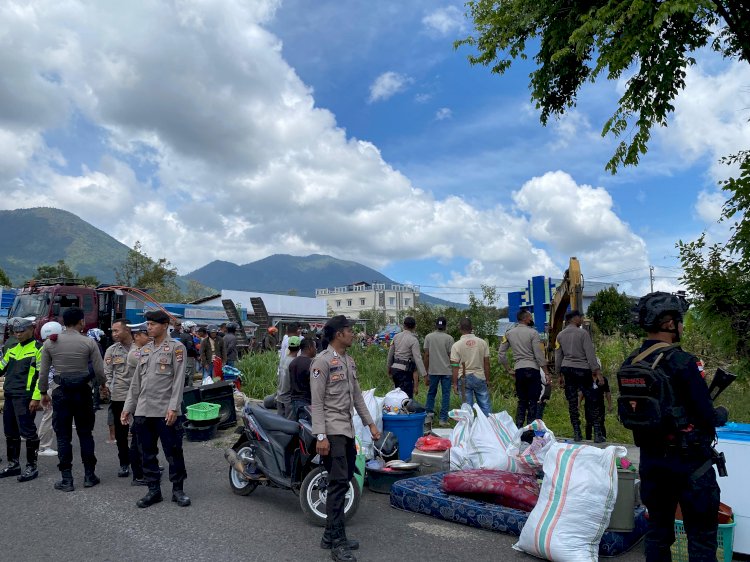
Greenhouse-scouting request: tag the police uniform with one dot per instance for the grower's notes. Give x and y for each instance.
(529, 358)
(19, 366)
(575, 360)
(118, 382)
(404, 358)
(334, 388)
(678, 468)
(156, 388)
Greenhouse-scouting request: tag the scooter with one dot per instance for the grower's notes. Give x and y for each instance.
(280, 453)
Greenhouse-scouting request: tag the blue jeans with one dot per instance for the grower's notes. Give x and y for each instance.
(474, 387)
(444, 382)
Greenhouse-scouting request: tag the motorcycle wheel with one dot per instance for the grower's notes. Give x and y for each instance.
(240, 485)
(314, 492)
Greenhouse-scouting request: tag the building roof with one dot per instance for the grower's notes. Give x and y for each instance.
(276, 305)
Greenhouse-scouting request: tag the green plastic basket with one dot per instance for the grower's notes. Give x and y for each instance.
(203, 411)
(725, 540)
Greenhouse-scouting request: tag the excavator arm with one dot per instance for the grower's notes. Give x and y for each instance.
(568, 294)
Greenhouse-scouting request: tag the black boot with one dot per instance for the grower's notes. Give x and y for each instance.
(153, 496)
(340, 551)
(13, 468)
(66, 484)
(179, 496)
(598, 437)
(327, 541)
(30, 472)
(90, 479)
(577, 436)
(138, 482)
(124, 471)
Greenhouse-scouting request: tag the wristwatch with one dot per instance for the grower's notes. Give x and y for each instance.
(322, 437)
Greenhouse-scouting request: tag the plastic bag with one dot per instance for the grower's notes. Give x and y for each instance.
(433, 443)
(361, 430)
(576, 501)
(529, 457)
(394, 401)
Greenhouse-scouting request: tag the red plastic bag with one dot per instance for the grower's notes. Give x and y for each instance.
(218, 365)
(432, 443)
(509, 489)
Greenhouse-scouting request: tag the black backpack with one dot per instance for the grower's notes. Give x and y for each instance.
(647, 401)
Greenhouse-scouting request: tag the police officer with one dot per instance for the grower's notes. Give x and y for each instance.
(677, 467)
(182, 334)
(118, 383)
(19, 366)
(334, 391)
(154, 400)
(140, 338)
(71, 354)
(528, 356)
(404, 359)
(575, 361)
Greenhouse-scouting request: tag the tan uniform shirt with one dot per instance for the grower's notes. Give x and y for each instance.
(526, 344)
(70, 354)
(116, 371)
(334, 389)
(158, 380)
(574, 348)
(405, 346)
(470, 352)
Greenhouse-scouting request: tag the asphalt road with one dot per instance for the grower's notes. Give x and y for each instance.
(103, 523)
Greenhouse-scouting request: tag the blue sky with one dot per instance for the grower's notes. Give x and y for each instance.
(348, 128)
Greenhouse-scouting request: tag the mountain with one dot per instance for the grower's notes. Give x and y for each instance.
(42, 236)
(294, 274)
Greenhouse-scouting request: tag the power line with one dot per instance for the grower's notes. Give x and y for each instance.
(616, 273)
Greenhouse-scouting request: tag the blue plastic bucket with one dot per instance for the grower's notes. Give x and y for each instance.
(407, 428)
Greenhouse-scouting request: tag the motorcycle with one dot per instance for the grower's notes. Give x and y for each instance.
(277, 452)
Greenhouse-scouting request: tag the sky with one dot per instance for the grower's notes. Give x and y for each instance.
(234, 130)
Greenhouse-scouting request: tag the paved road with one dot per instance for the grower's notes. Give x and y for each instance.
(103, 523)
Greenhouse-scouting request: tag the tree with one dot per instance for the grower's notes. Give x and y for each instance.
(612, 312)
(376, 320)
(60, 269)
(4, 279)
(196, 290)
(484, 314)
(160, 277)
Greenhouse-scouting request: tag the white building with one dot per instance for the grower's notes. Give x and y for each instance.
(350, 300)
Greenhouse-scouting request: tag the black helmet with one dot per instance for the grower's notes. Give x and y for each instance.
(387, 446)
(654, 306)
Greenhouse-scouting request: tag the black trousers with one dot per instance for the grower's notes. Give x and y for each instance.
(151, 430)
(18, 421)
(69, 404)
(594, 409)
(665, 481)
(126, 454)
(528, 390)
(580, 380)
(403, 380)
(339, 463)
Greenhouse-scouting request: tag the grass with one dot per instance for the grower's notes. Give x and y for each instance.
(259, 380)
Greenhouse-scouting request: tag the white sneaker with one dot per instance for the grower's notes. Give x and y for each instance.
(47, 453)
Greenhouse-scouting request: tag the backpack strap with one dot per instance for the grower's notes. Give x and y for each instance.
(641, 356)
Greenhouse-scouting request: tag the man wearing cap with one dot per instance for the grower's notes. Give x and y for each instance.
(118, 384)
(71, 354)
(140, 339)
(154, 400)
(576, 363)
(334, 389)
(270, 341)
(211, 348)
(470, 366)
(437, 362)
(19, 367)
(405, 359)
(284, 388)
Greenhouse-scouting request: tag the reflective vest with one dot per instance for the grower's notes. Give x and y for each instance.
(19, 366)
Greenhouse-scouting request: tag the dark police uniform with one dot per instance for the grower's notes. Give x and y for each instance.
(334, 388)
(678, 469)
(19, 366)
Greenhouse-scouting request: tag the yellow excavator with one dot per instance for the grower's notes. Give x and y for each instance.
(568, 293)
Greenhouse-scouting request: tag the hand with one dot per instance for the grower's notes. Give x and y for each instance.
(416, 389)
(427, 380)
(170, 418)
(34, 406)
(374, 431)
(561, 381)
(610, 409)
(103, 392)
(46, 401)
(324, 447)
(124, 417)
(455, 388)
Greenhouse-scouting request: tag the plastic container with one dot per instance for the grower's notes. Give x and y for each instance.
(200, 433)
(407, 428)
(725, 538)
(203, 411)
(623, 514)
(380, 481)
(734, 442)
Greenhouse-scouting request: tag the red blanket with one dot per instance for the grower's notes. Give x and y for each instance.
(519, 491)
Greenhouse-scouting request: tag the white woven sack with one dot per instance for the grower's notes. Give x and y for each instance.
(530, 457)
(460, 451)
(576, 501)
(490, 437)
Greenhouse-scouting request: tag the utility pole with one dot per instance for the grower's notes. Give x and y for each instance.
(651, 276)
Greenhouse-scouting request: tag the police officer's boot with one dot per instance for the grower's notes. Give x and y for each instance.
(153, 496)
(598, 437)
(66, 484)
(14, 452)
(89, 478)
(327, 541)
(179, 496)
(30, 472)
(577, 435)
(340, 551)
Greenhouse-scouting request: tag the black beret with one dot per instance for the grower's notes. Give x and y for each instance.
(158, 316)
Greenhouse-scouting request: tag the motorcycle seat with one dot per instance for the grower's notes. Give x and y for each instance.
(272, 421)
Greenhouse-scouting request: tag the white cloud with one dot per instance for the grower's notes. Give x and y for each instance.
(388, 85)
(445, 21)
(422, 97)
(709, 206)
(443, 113)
